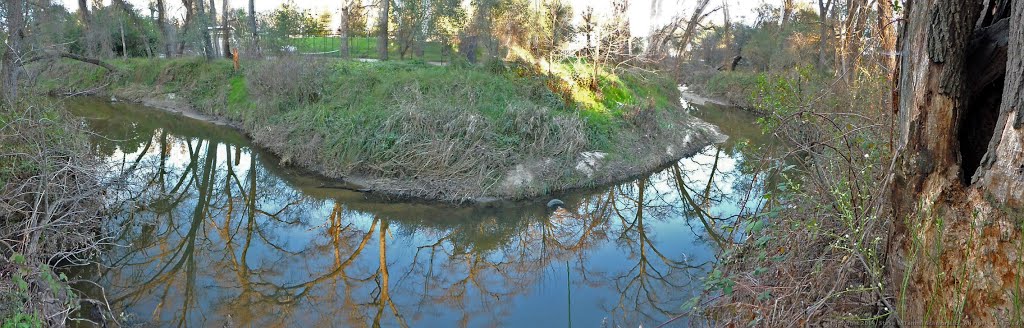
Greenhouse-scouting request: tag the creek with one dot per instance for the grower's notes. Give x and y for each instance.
(211, 231)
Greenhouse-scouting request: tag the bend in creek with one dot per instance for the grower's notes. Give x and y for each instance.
(212, 232)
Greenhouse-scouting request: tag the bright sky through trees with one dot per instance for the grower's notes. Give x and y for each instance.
(641, 17)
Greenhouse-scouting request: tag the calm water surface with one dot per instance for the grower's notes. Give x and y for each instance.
(214, 232)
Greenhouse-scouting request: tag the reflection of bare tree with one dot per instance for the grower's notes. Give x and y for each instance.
(215, 236)
(650, 290)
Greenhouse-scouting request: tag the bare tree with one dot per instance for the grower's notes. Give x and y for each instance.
(691, 25)
(659, 41)
(83, 10)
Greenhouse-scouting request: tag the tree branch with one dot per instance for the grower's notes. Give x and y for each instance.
(69, 55)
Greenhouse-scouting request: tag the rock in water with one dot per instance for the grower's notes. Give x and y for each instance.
(555, 203)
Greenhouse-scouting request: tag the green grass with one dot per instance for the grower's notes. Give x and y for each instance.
(410, 120)
(363, 47)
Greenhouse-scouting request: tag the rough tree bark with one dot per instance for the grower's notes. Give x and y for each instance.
(382, 30)
(958, 184)
(11, 60)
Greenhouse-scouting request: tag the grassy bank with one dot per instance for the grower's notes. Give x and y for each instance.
(750, 89)
(412, 129)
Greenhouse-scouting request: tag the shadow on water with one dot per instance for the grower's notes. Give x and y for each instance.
(212, 232)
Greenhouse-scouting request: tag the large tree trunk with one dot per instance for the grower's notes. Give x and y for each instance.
(187, 23)
(824, 32)
(204, 30)
(787, 14)
(211, 15)
(254, 27)
(475, 31)
(15, 19)
(727, 29)
(419, 39)
(691, 27)
(346, 10)
(83, 10)
(161, 21)
(382, 30)
(956, 248)
(225, 25)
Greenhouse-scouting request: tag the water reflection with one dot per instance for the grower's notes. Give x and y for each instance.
(213, 233)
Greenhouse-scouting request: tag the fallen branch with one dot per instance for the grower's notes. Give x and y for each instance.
(69, 55)
(96, 62)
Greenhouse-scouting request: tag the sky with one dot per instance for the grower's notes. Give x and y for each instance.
(642, 14)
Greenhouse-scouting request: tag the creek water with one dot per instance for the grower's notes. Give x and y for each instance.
(213, 232)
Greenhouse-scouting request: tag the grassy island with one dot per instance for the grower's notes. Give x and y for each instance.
(415, 129)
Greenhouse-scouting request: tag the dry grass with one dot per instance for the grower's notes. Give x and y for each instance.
(821, 260)
(50, 210)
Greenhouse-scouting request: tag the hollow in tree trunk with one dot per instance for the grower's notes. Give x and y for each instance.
(958, 183)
